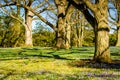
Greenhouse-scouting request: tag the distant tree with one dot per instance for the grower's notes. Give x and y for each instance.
(77, 30)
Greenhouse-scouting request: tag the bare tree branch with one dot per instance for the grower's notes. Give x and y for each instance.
(16, 18)
(41, 18)
(7, 4)
(90, 5)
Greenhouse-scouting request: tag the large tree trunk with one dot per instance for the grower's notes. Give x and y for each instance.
(28, 28)
(28, 25)
(102, 52)
(63, 25)
(60, 34)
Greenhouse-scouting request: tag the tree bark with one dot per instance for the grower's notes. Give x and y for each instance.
(74, 40)
(77, 29)
(28, 28)
(68, 26)
(80, 35)
(102, 52)
(60, 43)
(81, 30)
(60, 34)
(63, 24)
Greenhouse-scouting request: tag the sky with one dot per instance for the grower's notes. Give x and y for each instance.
(113, 13)
(47, 17)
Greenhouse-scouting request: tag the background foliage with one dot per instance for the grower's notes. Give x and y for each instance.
(43, 37)
(12, 34)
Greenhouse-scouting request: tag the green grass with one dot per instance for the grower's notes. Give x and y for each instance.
(47, 64)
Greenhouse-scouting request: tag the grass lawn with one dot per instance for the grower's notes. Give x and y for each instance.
(47, 64)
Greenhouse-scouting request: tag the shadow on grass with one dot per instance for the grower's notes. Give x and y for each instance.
(55, 56)
(115, 64)
(3, 78)
(35, 48)
(14, 58)
(27, 56)
(52, 54)
(115, 54)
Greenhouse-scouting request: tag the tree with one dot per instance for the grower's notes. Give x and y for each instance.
(63, 25)
(28, 21)
(78, 25)
(37, 13)
(28, 11)
(66, 34)
(98, 18)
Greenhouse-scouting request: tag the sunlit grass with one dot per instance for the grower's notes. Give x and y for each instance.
(48, 64)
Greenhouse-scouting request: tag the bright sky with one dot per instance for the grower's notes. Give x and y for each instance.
(113, 13)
